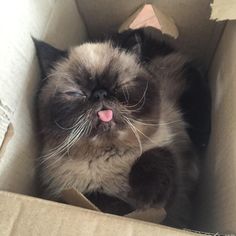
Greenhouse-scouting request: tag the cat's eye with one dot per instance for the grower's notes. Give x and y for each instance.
(75, 94)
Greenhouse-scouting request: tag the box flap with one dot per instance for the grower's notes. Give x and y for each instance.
(217, 209)
(150, 16)
(19, 76)
(21, 215)
(75, 198)
(223, 10)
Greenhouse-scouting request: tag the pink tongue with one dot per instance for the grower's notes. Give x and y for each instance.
(105, 115)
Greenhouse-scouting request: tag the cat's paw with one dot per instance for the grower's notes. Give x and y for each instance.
(152, 177)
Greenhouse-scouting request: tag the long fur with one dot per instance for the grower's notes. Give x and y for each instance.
(146, 157)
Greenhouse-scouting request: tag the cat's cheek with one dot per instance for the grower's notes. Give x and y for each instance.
(153, 178)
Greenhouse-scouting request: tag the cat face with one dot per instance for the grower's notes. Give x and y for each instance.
(96, 92)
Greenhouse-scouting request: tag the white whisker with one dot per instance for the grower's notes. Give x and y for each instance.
(135, 133)
(79, 129)
(126, 98)
(155, 124)
(140, 131)
(76, 123)
(142, 98)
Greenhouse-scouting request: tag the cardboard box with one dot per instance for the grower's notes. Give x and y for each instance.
(66, 23)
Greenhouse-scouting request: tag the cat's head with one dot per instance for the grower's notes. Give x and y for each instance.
(98, 92)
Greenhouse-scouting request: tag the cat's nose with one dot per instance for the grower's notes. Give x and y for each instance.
(100, 94)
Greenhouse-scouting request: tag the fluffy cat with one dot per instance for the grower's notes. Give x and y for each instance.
(122, 120)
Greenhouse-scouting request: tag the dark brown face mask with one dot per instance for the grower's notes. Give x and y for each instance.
(102, 102)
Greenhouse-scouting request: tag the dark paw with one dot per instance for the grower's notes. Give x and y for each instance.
(152, 177)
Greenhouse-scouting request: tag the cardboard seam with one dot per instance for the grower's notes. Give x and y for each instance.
(82, 17)
(44, 32)
(216, 46)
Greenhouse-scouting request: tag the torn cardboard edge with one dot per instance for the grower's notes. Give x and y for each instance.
(5, 119)
(150, 16)
(7, 137)
(223, 10)
(75, 198)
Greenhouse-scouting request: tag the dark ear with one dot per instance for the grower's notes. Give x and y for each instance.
(47, 56)
(131, 40)
(136, 47)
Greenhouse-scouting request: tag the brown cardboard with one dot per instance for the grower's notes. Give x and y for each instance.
(150, 16)
(5, 113)
(8, 135)
(60, 23)
(57, 22)
(75, 198)
(217, 209)
(146, 18)
(154, 215)
(28, 216)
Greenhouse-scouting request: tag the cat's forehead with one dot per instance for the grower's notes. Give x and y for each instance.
(99, 57)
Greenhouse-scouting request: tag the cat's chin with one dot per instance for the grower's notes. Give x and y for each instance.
(106, 132)
(103, 129)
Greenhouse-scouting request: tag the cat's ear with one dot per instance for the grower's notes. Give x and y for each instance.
(47, 55)
(132, 40)
(137, 45)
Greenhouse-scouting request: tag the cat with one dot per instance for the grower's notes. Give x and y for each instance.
(122, 120)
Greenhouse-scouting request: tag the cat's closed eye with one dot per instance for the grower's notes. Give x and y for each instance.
(75, 93)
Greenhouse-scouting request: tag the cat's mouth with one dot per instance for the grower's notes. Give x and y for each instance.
(105, 115)
(105, 121)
